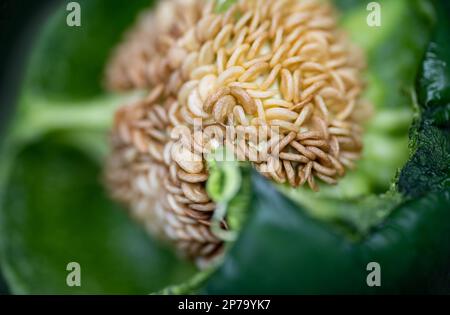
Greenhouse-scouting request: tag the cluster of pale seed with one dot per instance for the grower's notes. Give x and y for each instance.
(275, 65)
(141, 60)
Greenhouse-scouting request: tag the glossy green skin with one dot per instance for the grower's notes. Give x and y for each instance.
(58, 214)
(284, 251)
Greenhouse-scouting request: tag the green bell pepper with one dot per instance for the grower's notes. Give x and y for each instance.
(53, 208)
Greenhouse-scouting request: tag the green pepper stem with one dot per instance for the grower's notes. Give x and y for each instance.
(39, 116)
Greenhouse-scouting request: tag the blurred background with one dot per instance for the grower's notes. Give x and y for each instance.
(41, 54)
(20, 22)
